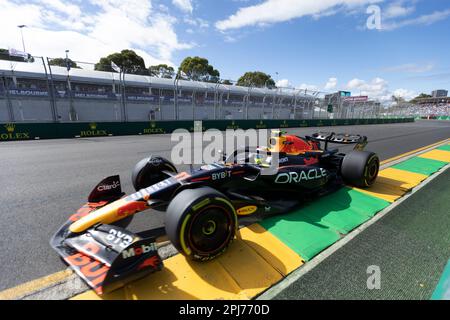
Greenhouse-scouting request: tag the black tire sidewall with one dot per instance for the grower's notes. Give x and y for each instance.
(374, 157)
(354, 166)
(185, 208)
(145, 173)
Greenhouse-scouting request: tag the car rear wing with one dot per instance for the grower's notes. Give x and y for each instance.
(340, 138)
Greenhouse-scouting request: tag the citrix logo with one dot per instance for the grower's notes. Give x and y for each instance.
(106, 187)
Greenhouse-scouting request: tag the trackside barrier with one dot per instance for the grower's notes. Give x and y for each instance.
(434, 117)
(31, 131)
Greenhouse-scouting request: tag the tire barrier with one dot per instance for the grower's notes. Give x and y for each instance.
(31, 131)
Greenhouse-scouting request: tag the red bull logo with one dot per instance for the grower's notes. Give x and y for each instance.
(131, 208)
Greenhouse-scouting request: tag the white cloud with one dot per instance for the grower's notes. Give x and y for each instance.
(57, 25)
(405, 94)
(308, 87)
(67, 8)
(426, 19)
(230, 39)
(411, 68)
(196, 22)
(398, 9)
(184, 5)
(272, 11)
(331, 84)
(377, 88)
(283, 83)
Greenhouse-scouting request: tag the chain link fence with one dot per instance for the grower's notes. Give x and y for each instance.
(45, 90)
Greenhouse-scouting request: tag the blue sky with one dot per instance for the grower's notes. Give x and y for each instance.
(322, 45)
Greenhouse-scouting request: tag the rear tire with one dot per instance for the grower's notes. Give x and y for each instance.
(360, 168)
(148, 171)
(201, 223)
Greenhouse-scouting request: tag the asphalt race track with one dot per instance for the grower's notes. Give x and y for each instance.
(43, 182)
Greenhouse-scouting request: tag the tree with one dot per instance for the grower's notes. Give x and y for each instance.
(127, 60)
(4, 55)
(61, 62)
(397, 98)
(420, 96)
(199, 69)
(256, 79)
(227, 82)
(161, 71)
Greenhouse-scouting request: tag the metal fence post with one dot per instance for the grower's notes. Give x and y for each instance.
(52, 89)
(194, 96)
(216, 98)
(50, 92)
(220, 102)
(8, 100)
(124, 96)
(263, 106)
(248, 100)
(295, 105)
(72, 113)
(159, 105)
(175, 96)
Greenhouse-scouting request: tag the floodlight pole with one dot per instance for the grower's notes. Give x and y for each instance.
(72, 112)
(21, 33)
(248, 99)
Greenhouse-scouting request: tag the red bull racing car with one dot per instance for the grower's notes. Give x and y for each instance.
(205, 206)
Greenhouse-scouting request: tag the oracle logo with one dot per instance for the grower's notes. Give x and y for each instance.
(297, 177)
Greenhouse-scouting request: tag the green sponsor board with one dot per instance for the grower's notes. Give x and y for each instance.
(30, 131)
(11, 132)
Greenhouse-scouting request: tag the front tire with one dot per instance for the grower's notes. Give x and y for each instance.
(360, 168)
(148, 171)
(201, 223)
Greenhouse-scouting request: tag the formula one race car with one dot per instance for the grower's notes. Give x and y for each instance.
(203, 207)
